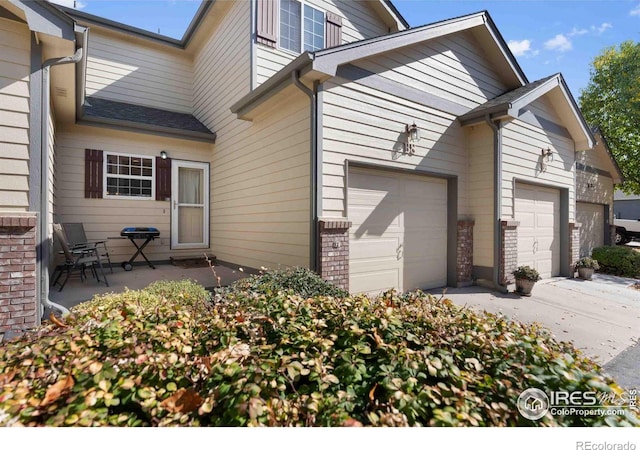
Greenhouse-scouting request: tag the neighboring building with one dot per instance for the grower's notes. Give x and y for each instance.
(626, 206)
(597, 174)
(289, 130)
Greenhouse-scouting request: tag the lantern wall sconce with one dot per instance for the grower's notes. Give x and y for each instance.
(547, 158)
(413, 136)
(163, 154)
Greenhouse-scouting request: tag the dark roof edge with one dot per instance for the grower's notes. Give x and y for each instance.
(195, 23)
(97, 20)
(393, 8)
(273, 84)
(504, 44)
(153, 129)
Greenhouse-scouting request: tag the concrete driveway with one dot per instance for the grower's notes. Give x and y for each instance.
(601, 317)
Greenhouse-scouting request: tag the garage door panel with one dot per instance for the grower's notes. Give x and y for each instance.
(537, 209)
(592, 219)
(399, 232)
(374, 248)
(368, 219)
(374, 282)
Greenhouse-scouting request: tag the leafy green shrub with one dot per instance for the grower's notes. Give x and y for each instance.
(587, 263)
(145, 358)
(299, 281)
(622, 261)
(526, 273)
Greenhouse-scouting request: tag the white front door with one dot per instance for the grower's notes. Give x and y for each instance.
(190, 204)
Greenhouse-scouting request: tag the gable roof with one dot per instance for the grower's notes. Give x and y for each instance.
(510, 104)
(193, 26)
(126, 115)
(43, 17)
(325, 63)
(328, 60)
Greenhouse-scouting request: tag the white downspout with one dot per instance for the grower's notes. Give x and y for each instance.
(43, 226)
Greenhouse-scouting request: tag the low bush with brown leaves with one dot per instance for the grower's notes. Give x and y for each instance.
(168, 356)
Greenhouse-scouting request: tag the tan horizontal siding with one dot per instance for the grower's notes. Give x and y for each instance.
(135, 71)
(105, 217)
(521, 155)
(365, 125)
(359, 21)
(260, 170)
(15, 51)
(602, 186)
(443, 66)
(481, 193)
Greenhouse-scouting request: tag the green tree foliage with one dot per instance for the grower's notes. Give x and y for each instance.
(611, 101)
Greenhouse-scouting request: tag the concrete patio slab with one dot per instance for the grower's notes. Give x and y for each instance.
(141, 276)
(601, 317)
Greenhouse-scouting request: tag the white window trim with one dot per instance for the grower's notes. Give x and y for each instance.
(105, 193)
(324, 22)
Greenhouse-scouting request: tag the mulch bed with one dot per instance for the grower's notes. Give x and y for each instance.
(189, 263)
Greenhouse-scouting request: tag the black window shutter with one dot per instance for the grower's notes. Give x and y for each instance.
(93, 171)
(163, 179)
(334, 30)
(267, 22)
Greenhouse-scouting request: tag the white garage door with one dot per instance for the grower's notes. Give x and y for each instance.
(591, 216)
(398, 237)
(538, 211)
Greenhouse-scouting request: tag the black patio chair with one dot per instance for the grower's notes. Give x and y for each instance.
(77, 238)
(78, 259)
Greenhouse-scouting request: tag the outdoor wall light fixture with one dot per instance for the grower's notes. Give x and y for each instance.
(413, 136)
(547, 157)
(163, 154)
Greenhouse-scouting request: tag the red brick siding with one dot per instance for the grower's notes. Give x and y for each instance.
(464, 263)
(508, 251)
(333, 252)
(18, 302)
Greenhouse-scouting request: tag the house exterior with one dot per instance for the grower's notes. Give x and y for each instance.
(597, 174)
(317, 133)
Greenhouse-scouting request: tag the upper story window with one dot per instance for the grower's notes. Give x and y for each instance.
(301, 27)
(128, 176)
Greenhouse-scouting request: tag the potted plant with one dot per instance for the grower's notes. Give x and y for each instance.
(526, 277)
(586, 266)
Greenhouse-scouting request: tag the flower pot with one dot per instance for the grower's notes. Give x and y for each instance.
(585, 272)
(524, 286)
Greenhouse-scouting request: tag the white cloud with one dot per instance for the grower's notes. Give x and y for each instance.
(578, 31)
(520, 48)
(559, 43)
(602, 28)
(635, 11)
(77, 4)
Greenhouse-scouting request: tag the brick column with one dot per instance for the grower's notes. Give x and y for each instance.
(574, 246)
(464, 262)
(508, 251)
(333, 254)
(18, 302)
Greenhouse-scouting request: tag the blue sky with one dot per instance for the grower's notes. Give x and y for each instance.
(546, 36)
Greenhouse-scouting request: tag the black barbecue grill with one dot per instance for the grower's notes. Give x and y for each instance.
(139, 233)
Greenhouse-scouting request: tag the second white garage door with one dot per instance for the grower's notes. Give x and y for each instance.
(538, 211)
(398, 237)
(591, 218)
